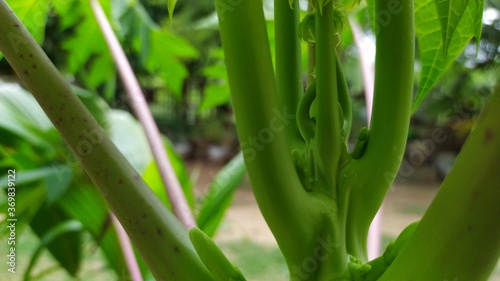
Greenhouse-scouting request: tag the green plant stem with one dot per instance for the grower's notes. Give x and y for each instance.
(459, 236)
(370, 176)
(328, 137)
(140, 107)
(288, 61)
(156, 233)
(292, 213)
(311, 56)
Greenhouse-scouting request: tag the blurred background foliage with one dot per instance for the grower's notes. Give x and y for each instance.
(180, 66)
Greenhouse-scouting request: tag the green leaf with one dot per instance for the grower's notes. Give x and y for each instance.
(443, 29)
(215, 95)
(219, 195)
(58, 182)
(217, 90)
(58, 232)
(164, 58)
(29, 195)
(67, 248)
(449, 18)
(33, 14)
(87, 42)
(21, 115)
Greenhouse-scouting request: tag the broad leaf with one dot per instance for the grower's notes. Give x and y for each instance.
(164, 58)
(59, 231)
(128, 135)
(29, 195)
(217, 91)
(21, 115)
(67, 248)
(33, 14)
(443, 29)
(218, 198)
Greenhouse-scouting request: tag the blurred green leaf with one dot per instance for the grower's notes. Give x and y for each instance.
(135, 25)
(443, 29)
(67, 248)
(217, 90)
(87, 50)
(164, 58)
(21, 115)
(58, 182)
(33, 14)
(57, 179)
(220, 194)
(128, 135)
(31, 196)
(215, 95)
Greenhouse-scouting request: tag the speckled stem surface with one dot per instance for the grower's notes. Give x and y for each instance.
(160, 238)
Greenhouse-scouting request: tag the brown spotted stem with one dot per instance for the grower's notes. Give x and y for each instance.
(160, 238)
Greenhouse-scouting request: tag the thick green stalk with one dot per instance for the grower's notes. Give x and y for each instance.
(328, 134)
(301, 221)
(288, 60)
(370, 176)
(459, 236)
(159, 237)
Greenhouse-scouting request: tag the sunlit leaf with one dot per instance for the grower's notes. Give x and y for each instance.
(449, 16)
(215, 95)
(443, 29)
